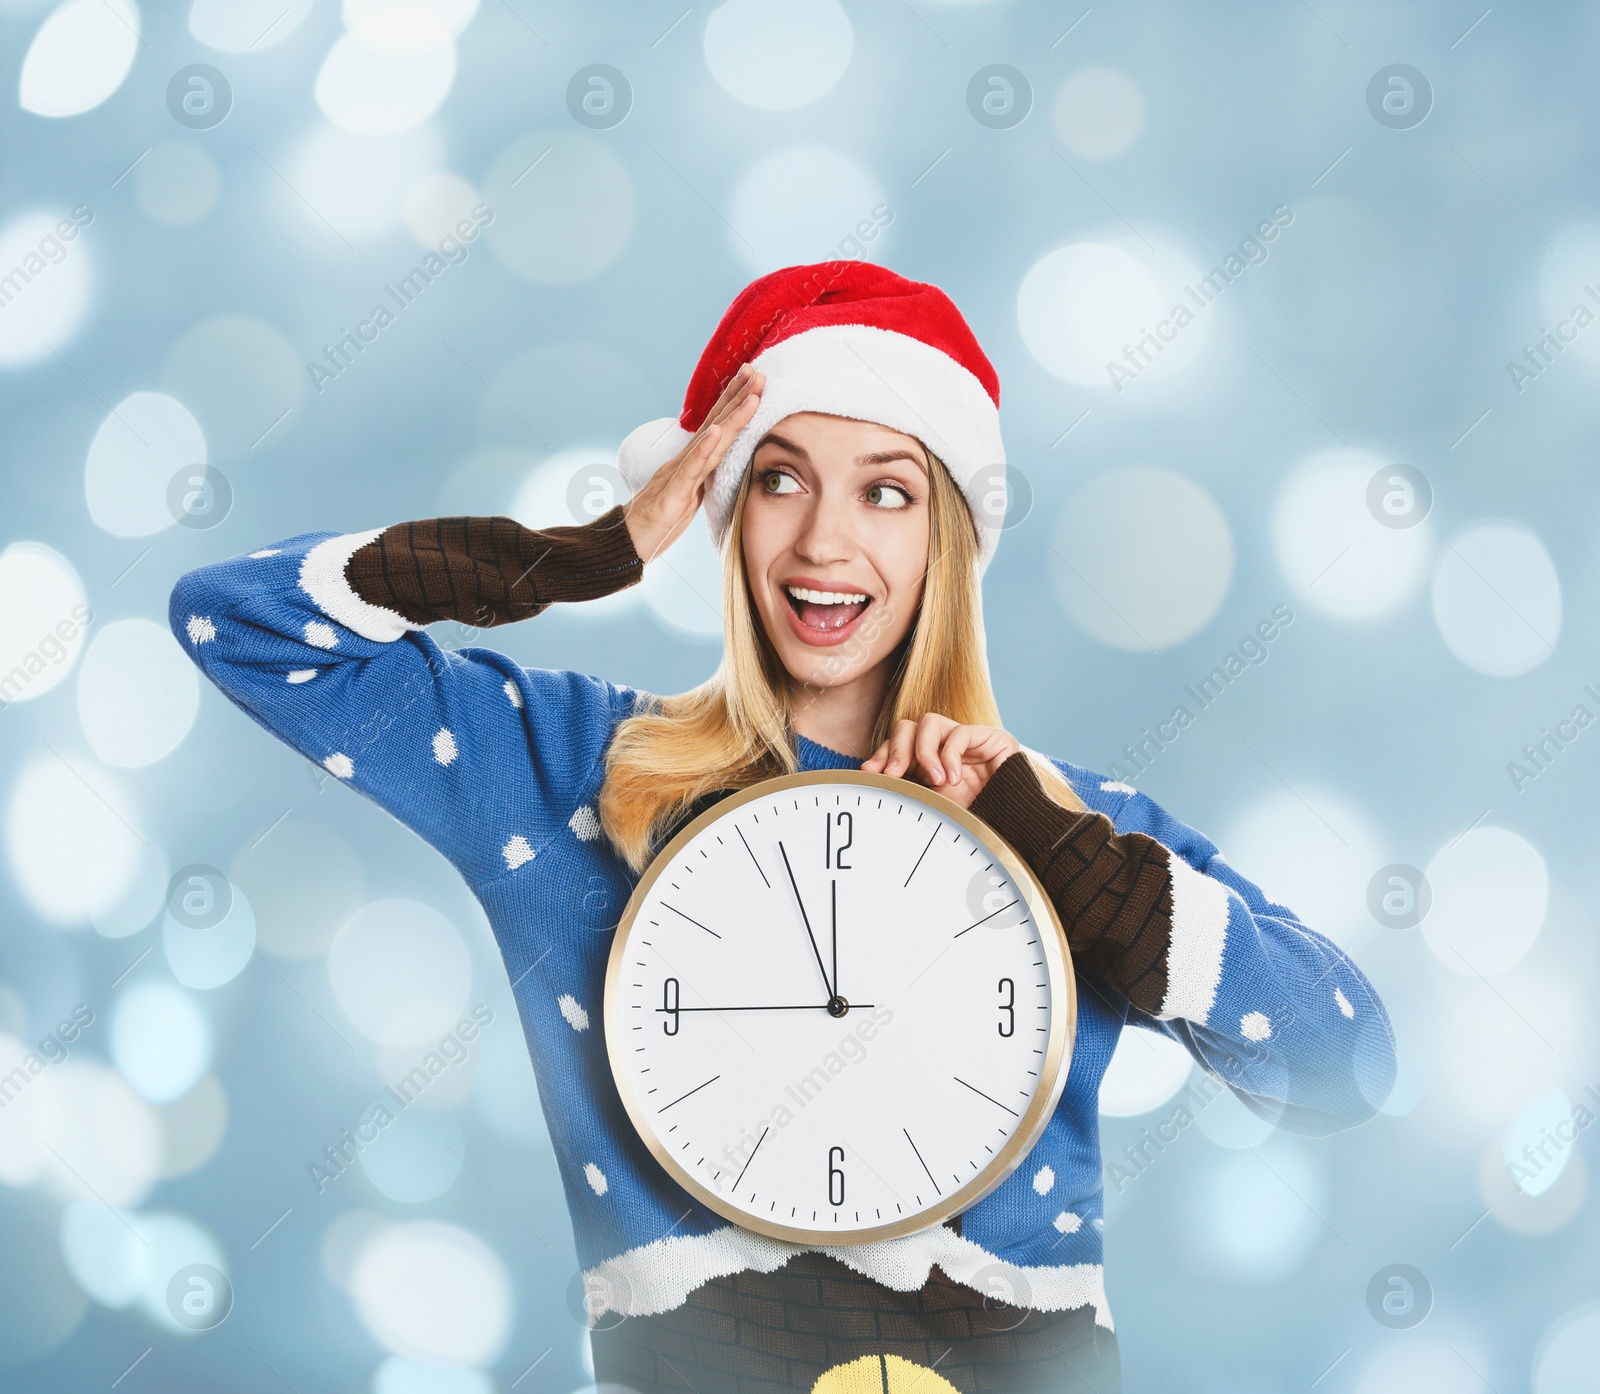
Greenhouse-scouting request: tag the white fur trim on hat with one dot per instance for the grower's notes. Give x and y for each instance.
(867, 374)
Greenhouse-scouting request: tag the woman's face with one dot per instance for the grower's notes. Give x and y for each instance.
(836, 543)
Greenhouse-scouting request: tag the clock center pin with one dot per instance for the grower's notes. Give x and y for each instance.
(837, 1006)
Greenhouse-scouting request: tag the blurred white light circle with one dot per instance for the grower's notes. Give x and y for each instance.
(160, 1040)
(382, 92)
(239, 375)
(804, 203)
(42, 621)
(1517, 1212)
(436, 205)
(70, 833)
(1438, 1366)
(683, 586)
(777, 57)
(1336, 556)
(100, 1140)
(398, 1375)
(430, 1290)
(416, 1157)
(22, 1156)
(44, 286)
(586, 476)
(176, 1242)
(1570, 266)
(1312, 851)
(192, 1128)
(1485, 1061)
(103, 1252)
(400, 971)
(563, 206)
(145, 440)
(1091, 307)
(1569, 1353)
(1145, 1071)
(407, 26)
(1097, 113)
(208, 956)
(245, 26)
(343, 1242)
(1147, 588)
(141, 899)
(177, 183)
(138, 693)
(1228, 1123)
(1258, 1223)
(79, 57)
(1539, 1141)
(358, 184)
(1490, 892)
(1497, 599)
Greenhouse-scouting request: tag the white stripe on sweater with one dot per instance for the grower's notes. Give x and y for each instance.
(1199, 935)
(322, 578)
(659, 1277)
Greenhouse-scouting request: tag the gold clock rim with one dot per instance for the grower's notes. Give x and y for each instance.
(1058, 1051)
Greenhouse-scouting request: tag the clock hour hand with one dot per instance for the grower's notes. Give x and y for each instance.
(806, 919)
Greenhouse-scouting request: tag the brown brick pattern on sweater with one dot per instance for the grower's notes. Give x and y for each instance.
(752, 1333)
(489, 571)
(1113, 891)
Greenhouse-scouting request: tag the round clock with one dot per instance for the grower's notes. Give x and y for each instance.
(839, 1008)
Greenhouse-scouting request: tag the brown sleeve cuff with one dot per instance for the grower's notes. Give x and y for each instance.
(492, 570)
(1112, 891)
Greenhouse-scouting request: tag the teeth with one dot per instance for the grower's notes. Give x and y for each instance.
(823, 597)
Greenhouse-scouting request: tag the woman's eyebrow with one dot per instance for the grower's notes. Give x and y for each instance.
(877, 457)
(882, 457)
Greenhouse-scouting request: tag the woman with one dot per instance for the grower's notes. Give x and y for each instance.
(841, 432)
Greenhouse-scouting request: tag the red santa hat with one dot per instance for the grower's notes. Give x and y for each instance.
(850, 339)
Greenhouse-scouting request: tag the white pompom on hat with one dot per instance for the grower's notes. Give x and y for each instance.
(846, 338)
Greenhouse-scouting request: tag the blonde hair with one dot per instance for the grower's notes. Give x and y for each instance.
(734, 729)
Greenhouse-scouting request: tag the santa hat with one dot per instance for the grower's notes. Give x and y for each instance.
(850, 339)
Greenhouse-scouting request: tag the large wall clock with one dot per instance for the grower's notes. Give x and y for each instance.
(839, 1008)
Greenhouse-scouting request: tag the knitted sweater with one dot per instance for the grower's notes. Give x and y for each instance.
(321, 640)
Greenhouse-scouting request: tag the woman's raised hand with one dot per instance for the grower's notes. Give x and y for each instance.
(954, 759)
(657, 515)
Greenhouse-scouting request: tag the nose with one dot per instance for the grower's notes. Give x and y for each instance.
(827, 535)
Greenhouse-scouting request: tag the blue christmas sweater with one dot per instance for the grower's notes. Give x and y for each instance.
(499, 767)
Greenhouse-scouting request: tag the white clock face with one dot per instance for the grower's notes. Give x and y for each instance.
(835, 1011)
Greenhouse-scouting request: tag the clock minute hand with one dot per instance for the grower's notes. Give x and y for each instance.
(807, 921)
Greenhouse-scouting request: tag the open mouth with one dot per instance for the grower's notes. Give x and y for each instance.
(826, 612)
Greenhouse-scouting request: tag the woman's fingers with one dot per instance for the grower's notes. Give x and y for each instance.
(931, 732)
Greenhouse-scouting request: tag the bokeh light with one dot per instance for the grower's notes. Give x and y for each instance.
(778, 58)
(138, 693)
(79, 57)
(1147, 589)
(1497, 599)
(432, 1290)
(400, 971)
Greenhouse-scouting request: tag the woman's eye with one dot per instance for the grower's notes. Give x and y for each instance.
(883, 496)
(772, 481)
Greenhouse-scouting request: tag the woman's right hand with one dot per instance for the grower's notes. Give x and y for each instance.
(657, 515)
